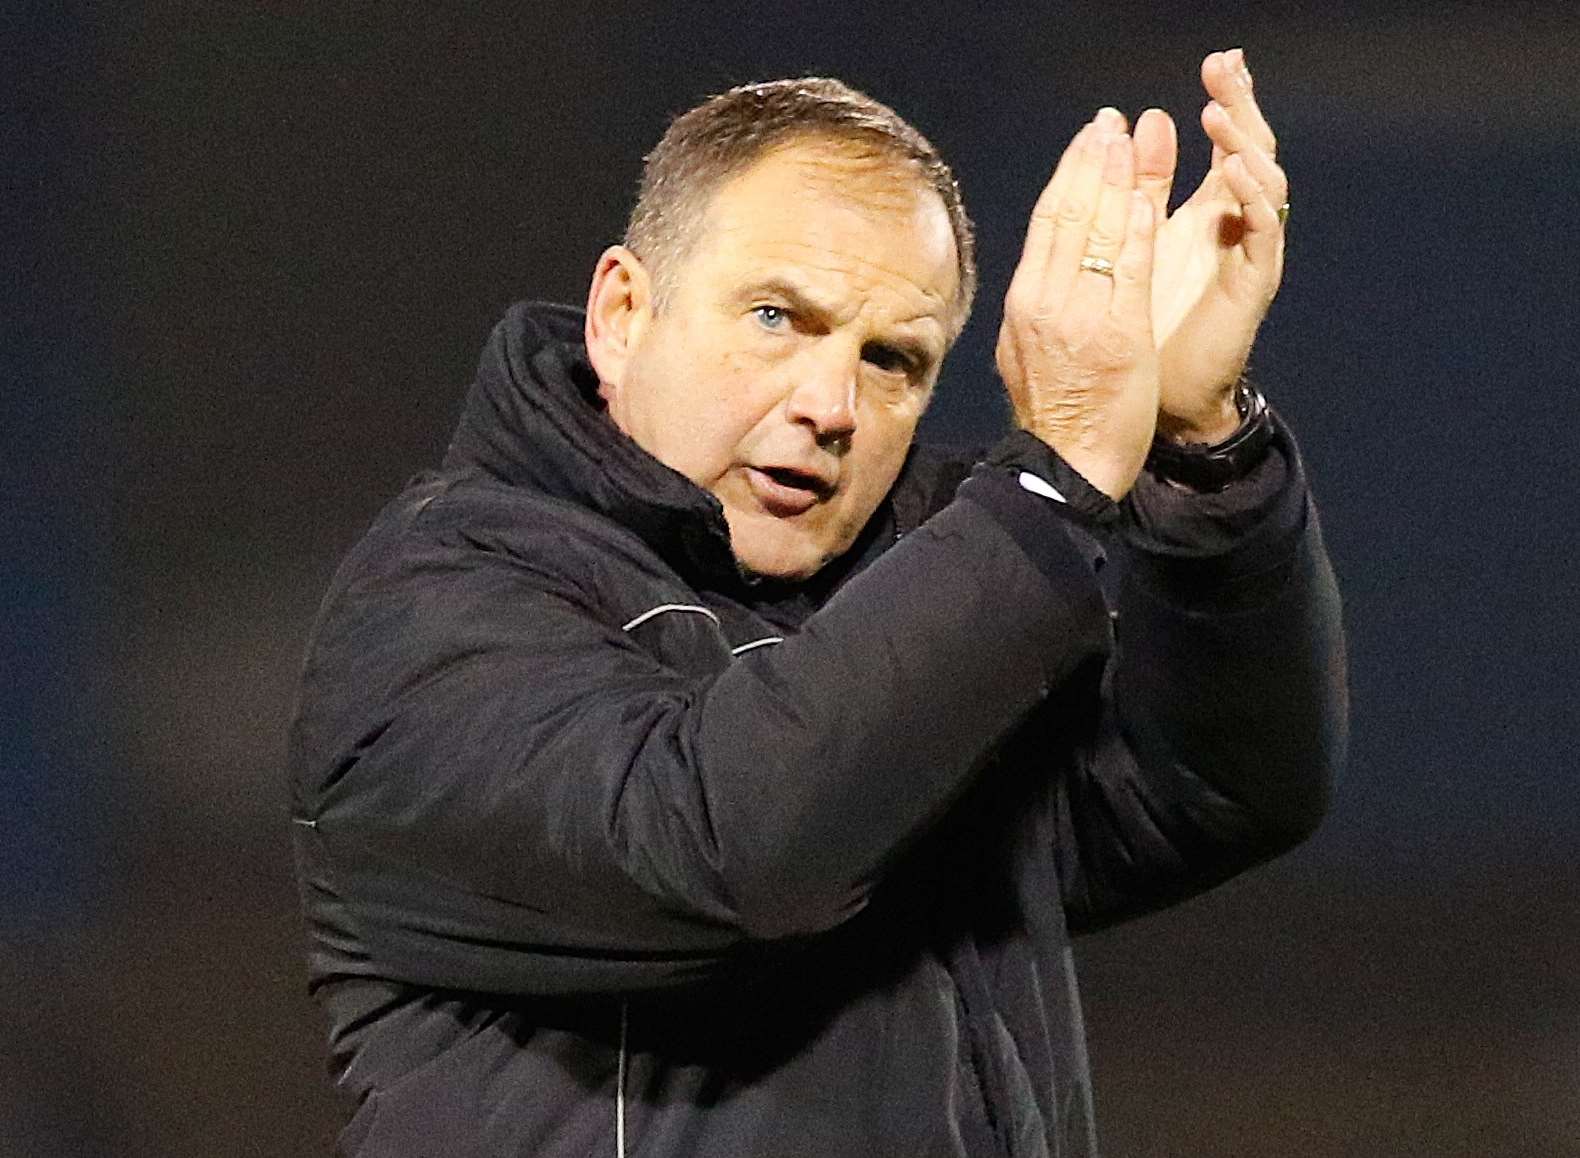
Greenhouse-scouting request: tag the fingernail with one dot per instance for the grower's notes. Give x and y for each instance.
(1110, 118)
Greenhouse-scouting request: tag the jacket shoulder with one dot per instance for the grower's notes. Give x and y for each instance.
(470, 520)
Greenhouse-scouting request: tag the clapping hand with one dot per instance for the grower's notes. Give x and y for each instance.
(1076, 350)
(1219, 256)
(1123, 320)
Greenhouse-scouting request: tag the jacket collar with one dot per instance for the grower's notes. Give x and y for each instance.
(533, 418)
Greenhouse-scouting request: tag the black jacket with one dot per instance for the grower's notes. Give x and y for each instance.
(605, 850)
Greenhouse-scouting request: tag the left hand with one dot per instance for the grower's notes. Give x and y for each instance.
(1220, 255)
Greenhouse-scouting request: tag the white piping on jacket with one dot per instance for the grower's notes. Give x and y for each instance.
(1038, 485)
(745, 647)
(663, 607)
(619, 1097)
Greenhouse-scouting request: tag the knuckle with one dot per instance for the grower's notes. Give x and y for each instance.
(1047, 327)
(1117, 345)
(1072, 334)
(1103, 237)
(1109, 347)
(1072, 212)
(1043, 210)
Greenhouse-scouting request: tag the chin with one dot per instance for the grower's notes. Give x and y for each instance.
(788, 558)
(786, 568)
(789, 550)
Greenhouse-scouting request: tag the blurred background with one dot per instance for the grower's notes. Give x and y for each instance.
(252, 253)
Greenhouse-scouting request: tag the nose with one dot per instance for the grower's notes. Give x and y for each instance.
(824, 395)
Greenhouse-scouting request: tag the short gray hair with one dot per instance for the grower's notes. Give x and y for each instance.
(729, 132)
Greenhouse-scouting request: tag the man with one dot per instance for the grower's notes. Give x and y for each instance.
(695, 767)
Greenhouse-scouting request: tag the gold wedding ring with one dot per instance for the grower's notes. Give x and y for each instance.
(1097, 265)
(1283, 213)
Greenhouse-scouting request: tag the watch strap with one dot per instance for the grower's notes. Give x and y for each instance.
(1212, 467)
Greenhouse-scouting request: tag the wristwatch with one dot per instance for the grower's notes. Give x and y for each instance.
(1213, 467)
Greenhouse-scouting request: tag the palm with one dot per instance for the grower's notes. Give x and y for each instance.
(1215, 270)
(1206, 301)
(1186, 265)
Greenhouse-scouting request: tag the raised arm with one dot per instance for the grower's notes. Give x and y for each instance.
(497, 788)
(1220, 725)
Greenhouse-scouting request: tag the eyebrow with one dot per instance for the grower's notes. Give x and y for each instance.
(799, 299)
(917, 351)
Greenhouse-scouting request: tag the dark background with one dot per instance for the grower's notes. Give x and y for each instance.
(252, 252)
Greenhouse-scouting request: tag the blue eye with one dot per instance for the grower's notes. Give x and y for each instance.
(771, 317)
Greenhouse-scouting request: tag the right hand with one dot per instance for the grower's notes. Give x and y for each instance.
(1076, 350)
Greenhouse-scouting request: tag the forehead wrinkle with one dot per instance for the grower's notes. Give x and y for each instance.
(863, 266)
(817, 260)
(812, 228)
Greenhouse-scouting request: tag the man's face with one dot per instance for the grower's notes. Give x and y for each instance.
(798, 348)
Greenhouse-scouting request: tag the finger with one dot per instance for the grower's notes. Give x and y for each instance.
(1228, 81)
(1070, 192)
(1044, 215)
(1157, 155)
(1132, 297)
(1229, 139)
(1065, 224)
(1104, 234)
(1068, 174)
(1264, 235)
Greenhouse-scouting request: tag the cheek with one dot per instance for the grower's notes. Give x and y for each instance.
(879, 451)
(889, 425)
(727, 414)
(744, 393)
(683, 408)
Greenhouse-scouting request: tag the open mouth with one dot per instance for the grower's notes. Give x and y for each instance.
(785, 491)
(795, 479)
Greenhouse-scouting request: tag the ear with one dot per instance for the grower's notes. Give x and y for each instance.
(619, 307)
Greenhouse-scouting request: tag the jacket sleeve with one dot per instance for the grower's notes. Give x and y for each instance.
(1219, 726)
(496, 789)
